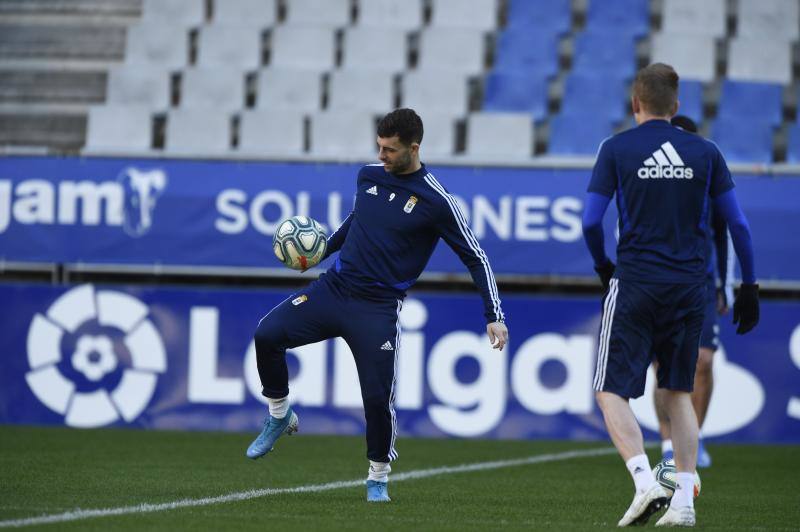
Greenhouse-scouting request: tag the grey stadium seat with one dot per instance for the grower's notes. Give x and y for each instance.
(198, 132)
(454, 49)
(256, 13)
(324, 13)
(118, 128)
(435, 91)
(139, 85)
(343, 135)
(309, 48)
(212, 87)
(178, 13)
(375, 49)
(229, 46)
(439, 138)
(506, 136)
(288, 88)
(708, 17)
(478, 14)
(157, 45)
(768, 18)
(271, 132)
(385, 14)
(360, 90)
(760, 59)
(692, 56)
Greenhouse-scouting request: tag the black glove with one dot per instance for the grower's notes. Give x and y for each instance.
(745, 308)
(606, 272)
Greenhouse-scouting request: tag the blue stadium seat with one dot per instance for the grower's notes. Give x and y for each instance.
(631, 17)
(516, 91)
(743, 100)
(595, 95)
(793, 148)
(525, 51)
(606, 54)
(577, 134)
(550, 16)
(742, 140)
(690, 94)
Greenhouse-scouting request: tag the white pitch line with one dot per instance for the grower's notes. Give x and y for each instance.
(78, 514)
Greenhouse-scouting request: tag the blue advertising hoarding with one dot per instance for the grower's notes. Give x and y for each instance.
(169, 358)
(223, 213)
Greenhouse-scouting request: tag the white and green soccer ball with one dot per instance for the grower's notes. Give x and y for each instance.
(665, 473)
(300, 242)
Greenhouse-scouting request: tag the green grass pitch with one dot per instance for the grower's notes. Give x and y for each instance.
(47, 471)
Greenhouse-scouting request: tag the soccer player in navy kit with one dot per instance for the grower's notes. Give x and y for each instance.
(400, 213)
(664, 180)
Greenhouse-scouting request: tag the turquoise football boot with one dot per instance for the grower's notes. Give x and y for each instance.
(273, 429)
(377, 491)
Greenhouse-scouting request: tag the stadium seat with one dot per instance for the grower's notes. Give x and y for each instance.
(308, 48)
(380, 49)
(523, 51)
(391, 14)
(760, 59)
(179, 14)
(507, 136)
(434, 91)
(452, 49)
(343, 134)
(773, 19)
(256, 13)
(604, 54)
(577, 134)
(693, 56)
(743, 141)
(229, 46)
(360, 90)
(506, 91)
(751, 102)
(706, 17)
(118, 128)
(605, 97)
(690, 96)
(198, 132)
(139, 85)
(213, 88)
(322, 13)
(477, 14)
(287, 88)
(553, 17)
(157, 45)
(439, 139)
(628, 17)
(793, 146)
(271, 132)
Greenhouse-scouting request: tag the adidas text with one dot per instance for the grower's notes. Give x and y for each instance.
(667, 172)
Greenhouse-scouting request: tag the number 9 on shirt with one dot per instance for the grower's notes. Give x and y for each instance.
(299, 242)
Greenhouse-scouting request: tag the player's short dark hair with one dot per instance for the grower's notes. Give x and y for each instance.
(684, 122)
(656, 87)
(404, 123)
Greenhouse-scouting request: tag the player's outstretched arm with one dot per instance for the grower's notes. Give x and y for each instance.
(336, 240)
(498, 334)
(592, 222)
(746, 306)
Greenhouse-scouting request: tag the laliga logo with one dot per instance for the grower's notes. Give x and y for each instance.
(141, 190)
(86, 318)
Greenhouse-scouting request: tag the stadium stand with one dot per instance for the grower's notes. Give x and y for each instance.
(360, 90)
(229, 46)
(178, 13)
(391, 14)
(337, 134)
(147, 86)
(476, 14)
(156, 45)
(119, 129)
(574, 134)
(256, 13)
(204, 130)
(377, 49)
(752, 144)
(708, 17)
(289, 89)
(503, 136)
(693, 56)
(321, 13)
(212, 87)
(271, 132)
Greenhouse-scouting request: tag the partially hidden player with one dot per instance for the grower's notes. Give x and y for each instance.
(400, 213)
(664, 180)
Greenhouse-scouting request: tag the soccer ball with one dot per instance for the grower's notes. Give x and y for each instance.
(665, 472)
(299, 242)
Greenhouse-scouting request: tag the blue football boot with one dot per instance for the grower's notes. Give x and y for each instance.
(377, 491)
(703, 458)
(273, 429)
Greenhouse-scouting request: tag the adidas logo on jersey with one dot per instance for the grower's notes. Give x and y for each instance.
(665, 163)
(373, 190)
(387, 346)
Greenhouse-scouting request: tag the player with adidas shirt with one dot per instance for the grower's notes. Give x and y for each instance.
(655, 295)
(400, 213)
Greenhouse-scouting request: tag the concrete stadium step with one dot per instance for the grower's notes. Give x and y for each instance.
(71, 42)
(42, 86)
(71, 7)
(60, 133)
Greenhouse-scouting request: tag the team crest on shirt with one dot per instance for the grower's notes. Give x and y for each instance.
(300, 299)
(412, 201)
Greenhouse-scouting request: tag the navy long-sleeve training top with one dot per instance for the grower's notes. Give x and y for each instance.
(388, 238)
